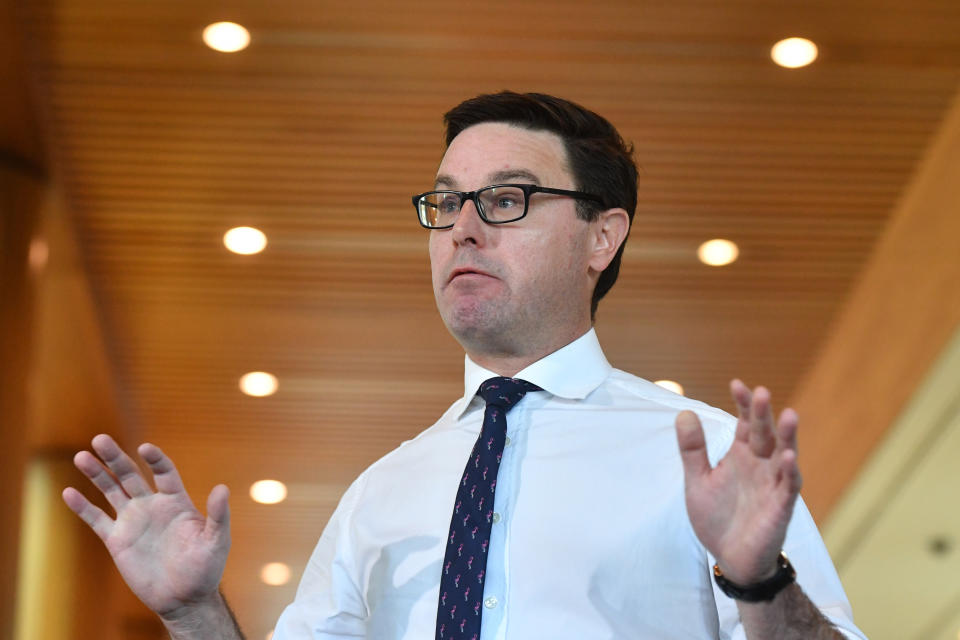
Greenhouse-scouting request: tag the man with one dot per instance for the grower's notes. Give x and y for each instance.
(596, 524)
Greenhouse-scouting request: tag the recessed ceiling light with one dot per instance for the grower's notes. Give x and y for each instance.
(794, 52)
(268, 491)
(718, 252)
(275, 574)
(670, 385)
(245, 240)
(258, 384)
(227, 37)
(38, 254)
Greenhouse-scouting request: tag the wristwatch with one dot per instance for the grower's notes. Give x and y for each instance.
(761, 591)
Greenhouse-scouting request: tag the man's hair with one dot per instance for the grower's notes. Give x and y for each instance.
(600, 160)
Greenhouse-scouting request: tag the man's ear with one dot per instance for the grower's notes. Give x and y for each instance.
(609, 232)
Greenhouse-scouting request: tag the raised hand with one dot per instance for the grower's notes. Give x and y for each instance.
(740, 509)
(170, 555)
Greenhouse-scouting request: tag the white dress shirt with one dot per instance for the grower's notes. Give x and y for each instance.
(590, 540)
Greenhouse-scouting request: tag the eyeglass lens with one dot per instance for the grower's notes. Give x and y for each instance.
(497, 204)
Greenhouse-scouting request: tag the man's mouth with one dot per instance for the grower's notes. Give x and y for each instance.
(462, 271)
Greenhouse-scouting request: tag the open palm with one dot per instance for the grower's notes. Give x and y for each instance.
(740, 509)
(166, 550)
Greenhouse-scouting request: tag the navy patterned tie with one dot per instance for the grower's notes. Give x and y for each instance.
(465, 561)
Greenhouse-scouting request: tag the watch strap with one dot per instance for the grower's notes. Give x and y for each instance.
(764, 591)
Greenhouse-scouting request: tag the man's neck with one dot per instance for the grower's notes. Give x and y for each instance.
(509, 364)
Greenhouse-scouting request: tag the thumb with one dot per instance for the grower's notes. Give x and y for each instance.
(693, 446)
(218, 512)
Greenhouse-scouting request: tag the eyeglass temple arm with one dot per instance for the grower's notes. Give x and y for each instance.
(566, 192)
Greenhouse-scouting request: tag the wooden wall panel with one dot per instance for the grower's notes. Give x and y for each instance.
(902, 311)
(21, 189)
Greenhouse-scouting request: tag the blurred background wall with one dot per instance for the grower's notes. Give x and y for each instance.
(129, 148)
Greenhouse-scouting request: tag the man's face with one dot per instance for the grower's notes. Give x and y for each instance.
(521, 287)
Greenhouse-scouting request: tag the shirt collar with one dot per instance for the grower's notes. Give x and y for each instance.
(571, 372)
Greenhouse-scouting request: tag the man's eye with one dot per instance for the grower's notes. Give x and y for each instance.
(449, 205)
(507, 202)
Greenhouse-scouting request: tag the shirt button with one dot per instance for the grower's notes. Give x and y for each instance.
(506, 442)
(496, 517)
(490, 602)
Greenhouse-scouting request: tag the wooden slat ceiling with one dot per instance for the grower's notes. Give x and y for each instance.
(318, 133)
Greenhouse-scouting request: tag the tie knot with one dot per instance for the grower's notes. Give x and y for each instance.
(505, 392)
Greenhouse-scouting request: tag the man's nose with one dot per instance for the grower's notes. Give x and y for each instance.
(469, 226)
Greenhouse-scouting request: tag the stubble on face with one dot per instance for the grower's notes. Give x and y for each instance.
(499, 320)
(524, 297)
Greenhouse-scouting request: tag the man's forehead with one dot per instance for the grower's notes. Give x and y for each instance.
(496, 152)
(519, 174)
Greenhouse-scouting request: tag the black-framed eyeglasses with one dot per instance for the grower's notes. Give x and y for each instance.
(496, 204)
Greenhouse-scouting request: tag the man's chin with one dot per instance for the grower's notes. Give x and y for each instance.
(472, 324)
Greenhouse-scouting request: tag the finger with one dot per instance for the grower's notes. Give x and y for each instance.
(763, 440)
(693, 447)
(90, 466)
(165, 474)
(741, 399)
(93, 515)
(218, 512)
(741, 395)
(790, 479)
(787, 430)
(122, 466)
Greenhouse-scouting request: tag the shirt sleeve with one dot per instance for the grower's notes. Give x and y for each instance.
(815, 575)
(329, 603)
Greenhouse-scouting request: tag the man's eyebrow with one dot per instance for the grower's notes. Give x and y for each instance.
(507, 175)
(510, 175)
(446, 181)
